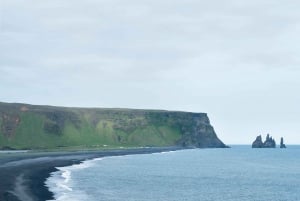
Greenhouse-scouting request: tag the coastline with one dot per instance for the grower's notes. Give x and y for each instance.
(23, 175)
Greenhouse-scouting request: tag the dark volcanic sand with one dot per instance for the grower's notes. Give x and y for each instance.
(22, 175)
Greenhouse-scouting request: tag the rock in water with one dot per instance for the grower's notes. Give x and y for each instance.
(282, 145)
(258, 142)
(269, 142)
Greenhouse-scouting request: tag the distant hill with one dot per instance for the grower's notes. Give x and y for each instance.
(24, 126)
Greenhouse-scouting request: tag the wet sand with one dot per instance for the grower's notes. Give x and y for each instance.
(23, 175)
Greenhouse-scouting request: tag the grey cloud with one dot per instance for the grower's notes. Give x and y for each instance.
(233, 59)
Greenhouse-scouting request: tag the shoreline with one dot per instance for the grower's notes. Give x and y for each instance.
(23, 175)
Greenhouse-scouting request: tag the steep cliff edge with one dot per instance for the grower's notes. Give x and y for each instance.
(24, 126)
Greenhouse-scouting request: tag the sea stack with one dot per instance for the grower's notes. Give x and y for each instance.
(258, 143)
(282, 145)
(269, 142)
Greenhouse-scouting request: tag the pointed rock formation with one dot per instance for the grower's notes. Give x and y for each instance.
(269, 142)
(258, 142)
(282, 145)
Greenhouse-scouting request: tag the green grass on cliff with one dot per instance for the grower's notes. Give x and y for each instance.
(25, 126)
(112, 131)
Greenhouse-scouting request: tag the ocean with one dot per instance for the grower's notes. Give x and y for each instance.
(236, 174)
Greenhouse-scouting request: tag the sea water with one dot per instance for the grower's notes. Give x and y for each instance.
(236, 174)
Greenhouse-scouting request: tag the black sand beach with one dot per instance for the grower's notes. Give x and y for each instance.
(22, 175)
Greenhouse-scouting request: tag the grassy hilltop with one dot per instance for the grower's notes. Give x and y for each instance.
(24, 126)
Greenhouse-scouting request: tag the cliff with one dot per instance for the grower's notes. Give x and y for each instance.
(24, 126)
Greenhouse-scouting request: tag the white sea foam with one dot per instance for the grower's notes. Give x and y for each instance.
(166, 152)
(60, 182)
(66, 175)
(12, 151)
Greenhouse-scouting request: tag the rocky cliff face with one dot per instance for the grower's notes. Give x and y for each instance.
(200, 133)
(28, 126)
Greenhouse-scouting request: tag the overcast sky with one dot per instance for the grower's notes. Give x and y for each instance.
(237, 60)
